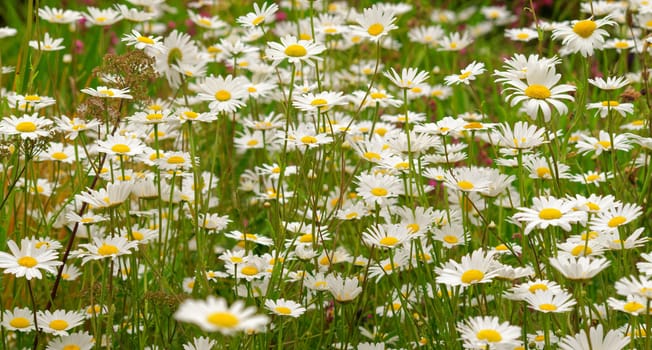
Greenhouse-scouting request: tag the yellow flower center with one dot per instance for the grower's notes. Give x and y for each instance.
(543, 172)
(377, 95)
(413, 228)
(537, 286)
(592, 206)
(120, 148)
(59, 325)
(537, 91)
(106, 92)
(252, 142)
(375, 29)
(25, 127)
(19, 322)
(584, 28)
(549, 214)
(137, 235)
(306, 238)
(154, 116)
(473, 125)
(318, 102)
(236, 259)
(308, 139)
(71, 347)
(471, 276)
(501, 248)
(204, 22)
(548, 307)
(371, 156)
(222, 95)
(250, 270)
(610, 104)
(489, 335)
(251, 89)
(176, 160)
(283, 310)
(464, 75)
(581, 250)
(621, 45)
(379, 191)
(100, 19)
(632, 306)
(223, 319)
(402, 165)
(638, 122)
(295, 50)
(592, 177)
(450, 239)
(107, 249)
(258, 20)
(351, 215)
(616, 221)
(59, 155)
(27, 261)
(32, 98)
(603, 144)
(522, 36)
(145, 40)
(388, 241)
(465, 185)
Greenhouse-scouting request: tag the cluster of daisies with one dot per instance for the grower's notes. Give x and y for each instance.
(285, 178)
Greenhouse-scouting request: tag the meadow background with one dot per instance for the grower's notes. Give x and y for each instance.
(316, 174)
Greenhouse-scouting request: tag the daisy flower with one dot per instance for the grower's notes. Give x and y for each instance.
(284, 307)
(581, 268)
(214, 314)
(409, 77)
(604, 107)
(29, 126)
(467, 74)
(455, 42)
(264, 14)
(477, 267)
(374, 22)
(482, 332)
(109, 247)
(135, 15)
(179, 50)
(121, 146)
(603, 143)
(225, 94)
(48, 44)
(548, 301)
(28, 260)
(634, 305)
(305, 137)
(295, 51)
(76, 341)
(105, 92)
(18, 319)
(450, 235)
(521, 34)
(143, 42)
(613, 340)
(521, 136)
(102, 17)
(549, 211)
(612, 83)
(379, 189)
(611, 219)
(427, 35)
(583, 36)
(386, 236)
(59, 322)
(539, 91)
(201, 343)
(55, 15)
(322, 101)
(343, 289)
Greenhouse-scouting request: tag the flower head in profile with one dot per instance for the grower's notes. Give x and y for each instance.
(467, 74)
(282, 307)
(260, 15)
(596, 339)
(48, 44)
(343, 289)
(409, 77)
(215, 315)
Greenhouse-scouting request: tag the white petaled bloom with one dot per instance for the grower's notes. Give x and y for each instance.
(612, 83)
(610, 220)
(28, 260)
(75, 341)
(583, 36)
(295, 51)
(595, 340)
(59, 322)
(455, 42)
(305, 137)
(102, 17)
(7, 32)
(175, 161)
(374, 22)
(27, 127)
(212, 23)
(539, 91)
(107, 248)
(482, 332)
(477, 267)
(466, 180)
(386, 236)
(634, 305)
(214, 314)
(322, 101)
(467, 74)
(121, 146)
(213, 222)
(179, 50)
(343, 289)
(549, 211)
(260, 15)
(201, 343)
(549, 301)
(645, 267)
(134, 14)
(282, 307)
(409, 77)
(521, 34)
(48, 44)
(450, 235)
(114, 194)
(225, 94)
(55, 15)
(522, 136)
(381, 189)
(605, 107)
(18, 319)
(579, 268)
(106, 92)
(143, 42)
(603, 143)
